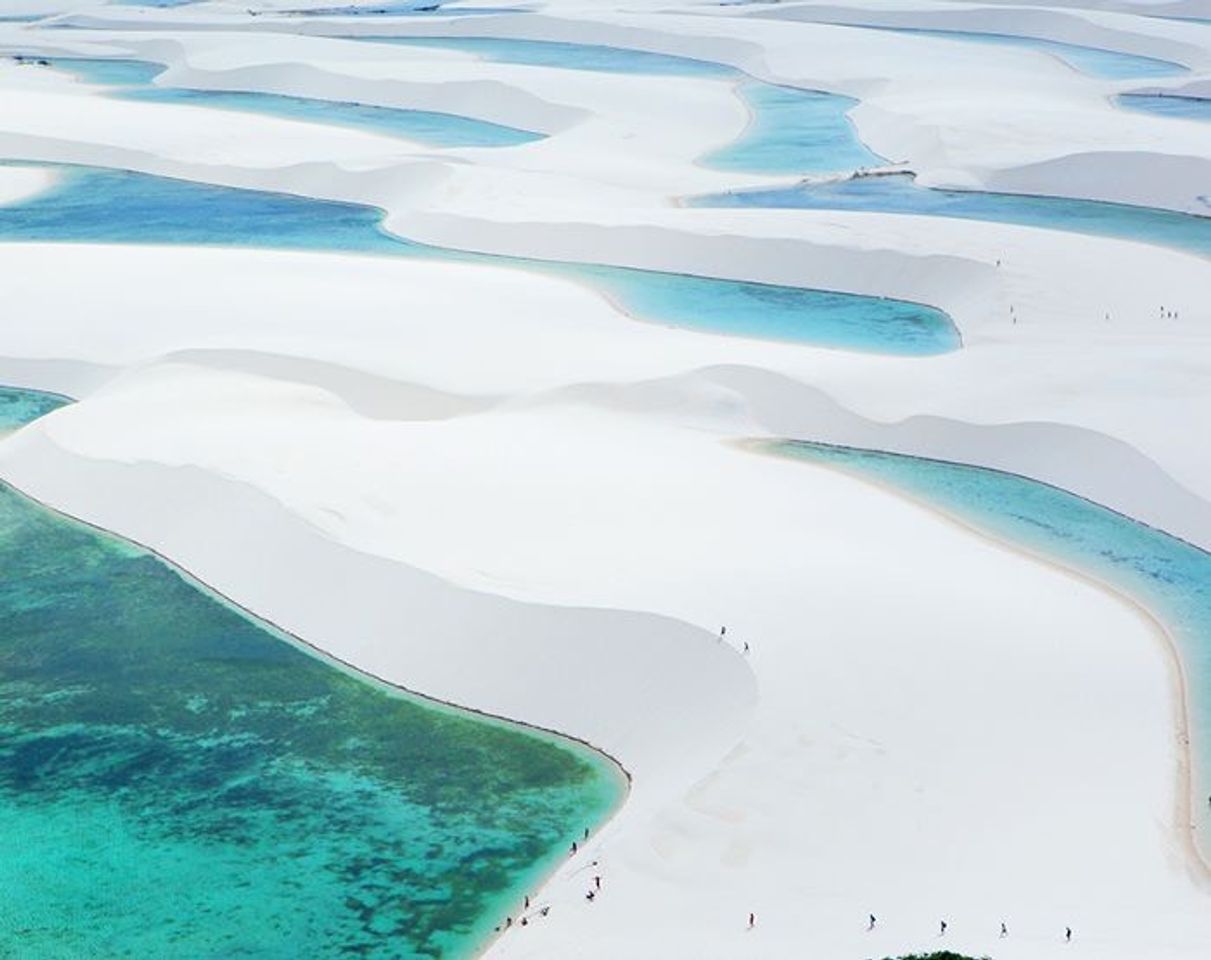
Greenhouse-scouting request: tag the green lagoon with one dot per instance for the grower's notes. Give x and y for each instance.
(181, 780)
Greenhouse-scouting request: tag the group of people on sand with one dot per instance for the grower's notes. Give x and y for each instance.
(873, 921)
(524, 920)
(595, 888)
(527, 914)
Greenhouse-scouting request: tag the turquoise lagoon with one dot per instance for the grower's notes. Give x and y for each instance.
(1167, 105)
(133, 80)
(1169, 576)
(109, 73)
(112, 206)
(18, 406)
(794, 131)
(900, 194)
(181, 780)
(790, 131)
(1094, 61)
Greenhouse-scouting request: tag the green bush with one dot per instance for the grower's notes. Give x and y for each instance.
(940, 955)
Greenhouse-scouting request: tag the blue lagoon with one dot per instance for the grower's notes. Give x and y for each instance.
(113, 206)
(899, 193)
(132, 80)
(1167, 105)
(794, 131)
(790, 131)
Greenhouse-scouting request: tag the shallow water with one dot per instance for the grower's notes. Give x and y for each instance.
(109, 73)
(794, 131)
(791, 131)
(93, 205)
(132, 78)
(108, 206)
(900, 194)
(19, 406)
(1170, 577)
(773, 312)
(1094, 61)
(186, 783)
(1167, 105)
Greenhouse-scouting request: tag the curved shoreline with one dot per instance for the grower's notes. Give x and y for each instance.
(551, 268)
(604, 760)
(1184, 800)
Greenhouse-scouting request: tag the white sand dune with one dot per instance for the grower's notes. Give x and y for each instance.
(494, 487)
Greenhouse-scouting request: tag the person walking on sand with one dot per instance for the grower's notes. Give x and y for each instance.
(1004, 930)
(527, 902)
(1068, 934)
(722, 632)
(597, 882)
(574, 848)
(746, 647)
(942, 929)
(752, 920)
(871, 925)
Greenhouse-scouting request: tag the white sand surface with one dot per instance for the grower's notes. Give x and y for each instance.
(494, 487)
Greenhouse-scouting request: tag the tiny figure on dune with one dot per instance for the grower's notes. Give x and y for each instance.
(942, 929)
(590, 896)
(574, 848)
(873, 921)
(545, 910)
(527, 902)
(746, 647)
(1004, 931)
(752, 920)
(586, 833)
(597, 882)
(1068, 934)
